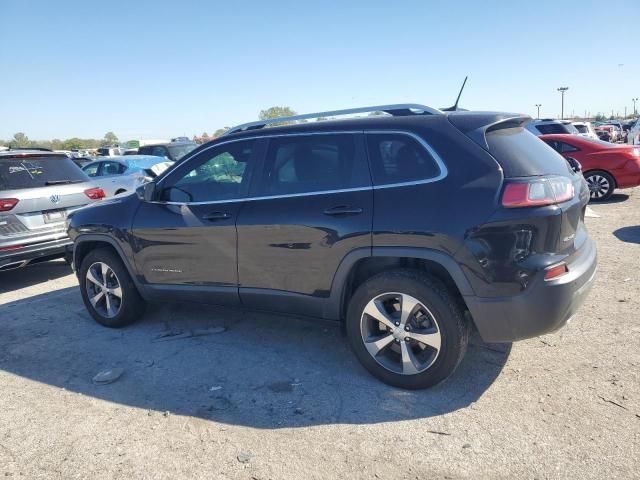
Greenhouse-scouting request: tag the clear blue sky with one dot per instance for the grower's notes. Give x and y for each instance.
(153, 69)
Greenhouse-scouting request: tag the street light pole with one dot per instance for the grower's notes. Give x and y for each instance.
(538, 105)
(635, 112)
(562, 90)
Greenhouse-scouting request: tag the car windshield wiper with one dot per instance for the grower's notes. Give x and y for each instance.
(62, 182)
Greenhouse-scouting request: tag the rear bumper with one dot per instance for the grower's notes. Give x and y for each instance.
(545, 306)
(37, 252)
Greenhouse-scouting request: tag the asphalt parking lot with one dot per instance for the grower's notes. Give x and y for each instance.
(268, 397)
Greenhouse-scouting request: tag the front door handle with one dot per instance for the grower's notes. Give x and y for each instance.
(215, 216)
(343, 210)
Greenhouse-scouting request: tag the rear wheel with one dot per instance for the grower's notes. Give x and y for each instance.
(601, 185)
(407, 329)
(108, 291)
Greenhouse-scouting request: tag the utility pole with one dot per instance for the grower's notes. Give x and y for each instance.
(635, 112)
(562, 90)
(538, 105)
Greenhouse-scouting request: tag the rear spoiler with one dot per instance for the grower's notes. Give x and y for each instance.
(476, 125)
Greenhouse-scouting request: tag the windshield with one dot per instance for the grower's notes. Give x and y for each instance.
(35, 172)
(179, 151)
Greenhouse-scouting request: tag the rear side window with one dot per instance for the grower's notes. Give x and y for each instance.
(315, 163)
(35, 172)
(397, 158)
(522, 154)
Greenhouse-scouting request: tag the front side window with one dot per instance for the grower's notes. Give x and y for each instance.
(314, 163)
(218, 174)
(92, 170)
(397, 158)
(111, 168)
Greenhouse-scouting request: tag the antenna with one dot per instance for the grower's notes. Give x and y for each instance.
(455, 105)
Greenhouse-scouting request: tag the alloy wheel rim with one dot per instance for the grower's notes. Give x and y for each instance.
(103, 289)
(400, 333)
(598, 186)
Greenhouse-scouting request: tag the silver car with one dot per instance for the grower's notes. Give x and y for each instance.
(38, 190)
(117, 175)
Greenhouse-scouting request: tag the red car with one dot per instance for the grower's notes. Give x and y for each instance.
(605, 166)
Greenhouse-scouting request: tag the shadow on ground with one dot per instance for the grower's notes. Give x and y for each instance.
(262, 371)
(615, 198)
(628, 234)
(12, 280)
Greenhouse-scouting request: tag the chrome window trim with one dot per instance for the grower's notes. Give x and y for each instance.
(443, 169)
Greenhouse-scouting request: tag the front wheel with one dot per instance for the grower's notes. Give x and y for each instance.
(601, 185)
(108, 291)
(407, 329)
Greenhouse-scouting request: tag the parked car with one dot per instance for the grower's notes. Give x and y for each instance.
(585, 129)
(38, 190)
(633, 136)
(131, 151)
(109, 151)
(124, 174)
(620, 134)
(173, 151)
(605, 166)
(604, 134)
(550, 125)
(462, 212)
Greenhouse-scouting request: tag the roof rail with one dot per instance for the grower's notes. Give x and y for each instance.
(402, 109)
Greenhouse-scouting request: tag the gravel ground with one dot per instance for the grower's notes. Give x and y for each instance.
(276, 397)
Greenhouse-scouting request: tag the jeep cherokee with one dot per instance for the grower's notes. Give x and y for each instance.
(409, 227)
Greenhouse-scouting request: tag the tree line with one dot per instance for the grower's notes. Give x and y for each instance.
(21, 140)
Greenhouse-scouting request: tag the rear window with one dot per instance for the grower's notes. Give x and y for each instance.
(582, 128)
(548, 128)
(522, 154)
(35, 172)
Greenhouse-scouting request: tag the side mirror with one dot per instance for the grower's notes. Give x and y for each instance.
(146, 192)
(575, 164)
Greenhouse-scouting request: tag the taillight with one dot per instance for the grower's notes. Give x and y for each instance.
(7, 204)
(555, 271)
(95, 193)
(537, 192)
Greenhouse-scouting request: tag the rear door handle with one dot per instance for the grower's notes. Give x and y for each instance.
(343, 210)
(215, 216)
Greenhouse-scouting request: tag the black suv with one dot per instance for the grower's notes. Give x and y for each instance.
(409, 227)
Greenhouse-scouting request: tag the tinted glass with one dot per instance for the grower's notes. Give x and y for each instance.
(582, 128)
(159, 151)
(522, 154)
(112, 168)
(314, 163)
(176, 152)
(552, 128)
(32, 172)
(399, 158)
(565, 147)
(219, 174)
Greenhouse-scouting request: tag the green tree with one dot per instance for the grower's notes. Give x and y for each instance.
(110, 138)
(219, 132)
(73, 143)
(21, 140)
(276, 112)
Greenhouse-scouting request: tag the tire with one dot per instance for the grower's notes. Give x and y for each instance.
(437, 319)
(601, 185)
(109, 309)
